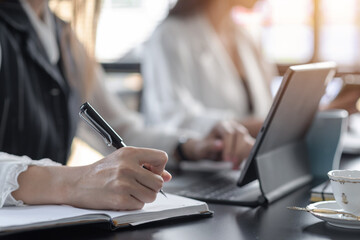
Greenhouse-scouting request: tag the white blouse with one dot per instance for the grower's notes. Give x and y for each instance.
(191, 82)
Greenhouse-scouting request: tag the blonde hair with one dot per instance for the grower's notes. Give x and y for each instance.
(83, 18)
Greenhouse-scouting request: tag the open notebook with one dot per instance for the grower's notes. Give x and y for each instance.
(14, 219)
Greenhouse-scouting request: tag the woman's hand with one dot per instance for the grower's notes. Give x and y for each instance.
(120, 182)
(228, 140)
(117, 182)
(348, 99)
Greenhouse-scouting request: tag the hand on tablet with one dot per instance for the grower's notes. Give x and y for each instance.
(348, 98)
(228, 141)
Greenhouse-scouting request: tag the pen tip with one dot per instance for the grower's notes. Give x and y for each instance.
(162, 192)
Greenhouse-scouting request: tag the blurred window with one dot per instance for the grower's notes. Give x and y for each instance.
(339, 32)
(285, 28)
(124, 25)
(289, 31)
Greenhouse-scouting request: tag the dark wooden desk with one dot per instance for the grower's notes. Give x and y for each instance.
(228, 222)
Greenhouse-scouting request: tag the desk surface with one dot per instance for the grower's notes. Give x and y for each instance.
(228, 222)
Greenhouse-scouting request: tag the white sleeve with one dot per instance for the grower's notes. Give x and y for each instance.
(168, 73)
(10, 168)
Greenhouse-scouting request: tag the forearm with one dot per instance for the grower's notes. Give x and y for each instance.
(46, 184)
(116, 182)
(11, 166)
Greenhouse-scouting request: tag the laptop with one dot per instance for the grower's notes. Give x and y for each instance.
(278, 162)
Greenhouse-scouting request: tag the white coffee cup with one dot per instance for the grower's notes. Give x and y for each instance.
(346, 188)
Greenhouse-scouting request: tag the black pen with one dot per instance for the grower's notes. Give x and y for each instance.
(96, 122)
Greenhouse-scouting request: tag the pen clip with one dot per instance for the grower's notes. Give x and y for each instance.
(94, 125)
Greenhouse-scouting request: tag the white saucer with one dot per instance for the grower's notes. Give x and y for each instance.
(338, 220)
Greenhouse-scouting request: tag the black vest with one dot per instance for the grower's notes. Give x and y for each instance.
(38, 109)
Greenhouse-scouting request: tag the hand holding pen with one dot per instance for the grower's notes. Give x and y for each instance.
(141, 184)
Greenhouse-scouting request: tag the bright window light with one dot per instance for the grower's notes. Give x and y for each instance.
(124, 25)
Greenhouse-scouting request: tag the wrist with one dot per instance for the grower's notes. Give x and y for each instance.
(60, 183)
(183, 150)
(67, 184)
(41, 185)
(179, 152)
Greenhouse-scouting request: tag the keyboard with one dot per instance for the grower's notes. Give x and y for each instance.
(222, 188)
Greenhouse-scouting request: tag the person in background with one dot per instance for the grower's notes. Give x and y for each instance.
(207, 69)
(45, 75)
